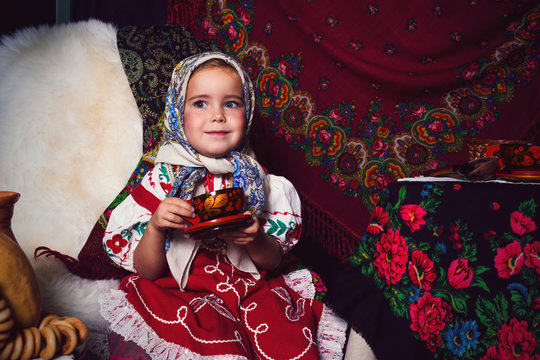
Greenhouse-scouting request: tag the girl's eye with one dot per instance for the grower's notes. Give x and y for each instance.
(232, 104)
(199, 104)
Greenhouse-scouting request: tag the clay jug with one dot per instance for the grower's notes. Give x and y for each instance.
(7, 201)
(18, 282)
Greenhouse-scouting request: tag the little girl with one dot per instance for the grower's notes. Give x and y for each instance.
(211, 298)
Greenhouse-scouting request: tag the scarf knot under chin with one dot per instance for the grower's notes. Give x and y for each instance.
(246, 171)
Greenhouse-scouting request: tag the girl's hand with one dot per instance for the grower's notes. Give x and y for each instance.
(264, 250)
(244, 235)
(170, 213)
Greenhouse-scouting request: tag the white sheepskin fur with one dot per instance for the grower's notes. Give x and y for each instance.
(66, 293)
(70, 130)
(70, 136)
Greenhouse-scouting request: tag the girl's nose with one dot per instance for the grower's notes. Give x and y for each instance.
(218, 117)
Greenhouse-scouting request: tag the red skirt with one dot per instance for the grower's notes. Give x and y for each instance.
(225, 313)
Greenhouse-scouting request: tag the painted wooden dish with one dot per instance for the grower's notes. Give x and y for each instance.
(520, 158)
(218, 204)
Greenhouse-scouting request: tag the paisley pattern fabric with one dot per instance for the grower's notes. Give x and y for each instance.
(357, 95)
(149, 55)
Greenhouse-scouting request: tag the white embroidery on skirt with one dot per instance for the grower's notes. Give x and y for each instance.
(181, 314)
(293, 313)
(263, 327)
(127, 322)
(226, 285)
(215, 302)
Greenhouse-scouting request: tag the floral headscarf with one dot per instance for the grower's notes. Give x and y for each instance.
(176, 150)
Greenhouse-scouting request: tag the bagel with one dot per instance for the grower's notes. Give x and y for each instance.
(4, 336)
(6, 353)
(5, 314)
(56, 332)
(3, 304)
(81, 328)
(46, 320)
(69, 338)
(37, 341)
(60, 321)
(17, 347)
(28, 345)
(49, 350)
(6, 326)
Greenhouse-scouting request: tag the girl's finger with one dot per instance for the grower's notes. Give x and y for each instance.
(178, 205)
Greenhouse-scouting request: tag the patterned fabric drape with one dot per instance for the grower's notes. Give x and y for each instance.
(355, 95)
(455, 263)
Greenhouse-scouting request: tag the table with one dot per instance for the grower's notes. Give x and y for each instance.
(446, 269)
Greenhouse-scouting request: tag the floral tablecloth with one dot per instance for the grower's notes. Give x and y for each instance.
(457, 264)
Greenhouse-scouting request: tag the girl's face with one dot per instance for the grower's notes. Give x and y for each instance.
(215, 111)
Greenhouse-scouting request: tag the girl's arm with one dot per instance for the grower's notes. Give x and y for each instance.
(149, 257)
(141, 220)
(263, 249)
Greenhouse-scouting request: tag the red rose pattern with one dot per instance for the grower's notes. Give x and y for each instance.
(413, 216)
(460, 274)
(427, 316)
(391, 256)
(378, 220)
(421, 270)
(532, 256)
(515, 341)
(509, 260)
(521, 224)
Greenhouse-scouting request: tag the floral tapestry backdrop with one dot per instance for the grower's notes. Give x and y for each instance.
(355, 95)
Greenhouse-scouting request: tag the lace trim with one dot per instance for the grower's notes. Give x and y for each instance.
(301, 281)
(331, 335)
(126, 322)
(332, 331)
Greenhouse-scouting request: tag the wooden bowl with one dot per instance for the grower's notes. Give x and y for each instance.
(520, 158)
(219, 204)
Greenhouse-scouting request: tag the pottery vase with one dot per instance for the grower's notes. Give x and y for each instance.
(7, 202)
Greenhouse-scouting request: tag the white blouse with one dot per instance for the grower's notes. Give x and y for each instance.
(280, 218)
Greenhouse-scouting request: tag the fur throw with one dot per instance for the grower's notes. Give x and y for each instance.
(70, 136)
(70, 130)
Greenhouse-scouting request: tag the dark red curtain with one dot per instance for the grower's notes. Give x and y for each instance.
(357, 94)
